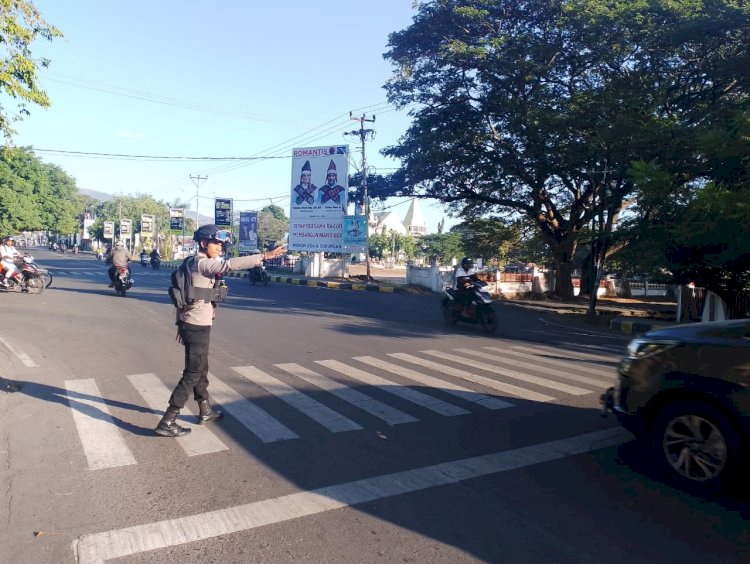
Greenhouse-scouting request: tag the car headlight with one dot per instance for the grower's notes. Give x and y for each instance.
(638, 348)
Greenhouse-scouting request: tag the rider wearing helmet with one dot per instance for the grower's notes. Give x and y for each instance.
(120, 256)
(465, 275)
(194, 323)
(8, 255)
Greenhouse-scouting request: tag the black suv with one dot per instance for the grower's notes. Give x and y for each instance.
(687, 390)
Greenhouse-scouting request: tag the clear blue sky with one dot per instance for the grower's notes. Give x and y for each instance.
(222, 79)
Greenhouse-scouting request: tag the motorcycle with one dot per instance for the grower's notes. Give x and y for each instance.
(31, 279)
(144, 260)
(155, 262)
(478, 311)
(258, 275)
(123, 281)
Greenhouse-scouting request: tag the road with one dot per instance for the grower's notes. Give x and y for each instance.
(359, 429)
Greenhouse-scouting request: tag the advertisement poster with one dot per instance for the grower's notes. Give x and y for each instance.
(248, 232)
(176, 218)
(355, 234)
(147, 225)
(109, 229)
(223, 212)
(126, 228)
(318, 198)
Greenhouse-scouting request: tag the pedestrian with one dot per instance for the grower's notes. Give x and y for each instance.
(194, 323)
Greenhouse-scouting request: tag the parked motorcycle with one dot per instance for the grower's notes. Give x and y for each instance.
(155, 262)
(478, 311)
(123, 281)
(258, 275)
(31, 279)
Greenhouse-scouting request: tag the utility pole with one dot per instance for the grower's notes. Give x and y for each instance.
(197, 181)
(363, 133)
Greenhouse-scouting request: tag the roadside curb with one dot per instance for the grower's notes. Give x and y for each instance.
(631, 327)
(315, 283)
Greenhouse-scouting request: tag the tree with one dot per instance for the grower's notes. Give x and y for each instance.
(542, 108)
(273, 225)
(490, 238)
(441, 248)
(21, 24)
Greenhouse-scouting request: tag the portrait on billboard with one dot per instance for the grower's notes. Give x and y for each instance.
(305, 190)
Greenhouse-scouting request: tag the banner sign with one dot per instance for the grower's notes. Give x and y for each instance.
(318, 198)
(176, 218)
(126, 227)
(147, 225)
(109, 229)
(248, 231)
(355, 234)
(223, 212)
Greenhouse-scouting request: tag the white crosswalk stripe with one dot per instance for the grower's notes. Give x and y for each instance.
(543, 382)
(334, 422)
(256, 420)
(102, 442)
(503, 387)
(443, 385)
(550, 371)
(463, 376)
(607, 375)
(372, 406)
(201, 440)
(429, 402)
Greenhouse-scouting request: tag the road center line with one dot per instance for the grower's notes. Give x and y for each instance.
(97, 548)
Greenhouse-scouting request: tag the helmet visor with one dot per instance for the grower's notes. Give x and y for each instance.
(222, 237)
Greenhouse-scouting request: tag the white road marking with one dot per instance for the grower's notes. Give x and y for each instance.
(606, 373)
(96, 548)
(442, 385)
(543, 382)
(547, 370)
(255, 419)
(201, 440)
(19, 354)
(102, 443)
(429, 402)
(334, 422)
(390, 415)
(568, 352)
(503, 387)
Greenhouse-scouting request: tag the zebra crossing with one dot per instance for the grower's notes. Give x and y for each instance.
(426, 384)
(101, 272)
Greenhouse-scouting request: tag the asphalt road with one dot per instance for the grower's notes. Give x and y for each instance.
(359, 429)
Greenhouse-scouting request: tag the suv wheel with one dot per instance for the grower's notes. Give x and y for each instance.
(697, 443)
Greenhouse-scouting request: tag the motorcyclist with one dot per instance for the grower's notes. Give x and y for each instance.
(8, 255)
(155, 255)
(465, 276)
(120, 256)
(144, 256)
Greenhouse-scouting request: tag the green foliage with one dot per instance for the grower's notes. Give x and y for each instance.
(273, 224)
(441, 248)
(544, 108)
(35, 195)
(20, 24)
(492, 239)
(132, 208)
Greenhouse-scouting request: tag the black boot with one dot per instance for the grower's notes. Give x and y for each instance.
(168, 427)
(206, 413)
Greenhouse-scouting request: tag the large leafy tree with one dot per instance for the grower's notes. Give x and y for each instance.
(273, 224)
(21, 24)
(542, 107)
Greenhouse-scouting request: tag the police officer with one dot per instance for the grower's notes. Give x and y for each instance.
(194, 327)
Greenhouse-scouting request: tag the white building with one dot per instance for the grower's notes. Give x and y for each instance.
(413, 223)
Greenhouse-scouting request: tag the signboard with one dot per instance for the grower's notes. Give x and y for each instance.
(223, 212)
(248, 231)
(147, 225)
(355, 234)
(318, 198)
(109, 229)
(126, 228)
(176, 218)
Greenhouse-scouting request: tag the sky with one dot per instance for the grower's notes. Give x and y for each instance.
(230, 78)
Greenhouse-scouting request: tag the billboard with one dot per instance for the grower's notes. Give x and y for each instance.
(355, 234)
(109, 229)
(223, 212)
(126, 228)
(176, 218)
(147, 225)
(318, 198)
(248, 240)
